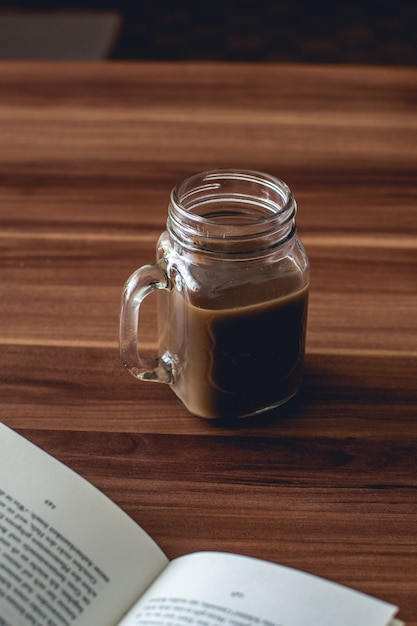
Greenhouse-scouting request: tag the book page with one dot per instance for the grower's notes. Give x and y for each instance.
(68, 555)
(217, 589)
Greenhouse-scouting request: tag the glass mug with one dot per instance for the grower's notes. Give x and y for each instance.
(232, 278)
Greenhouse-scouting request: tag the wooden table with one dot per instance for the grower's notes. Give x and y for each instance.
(89, 154)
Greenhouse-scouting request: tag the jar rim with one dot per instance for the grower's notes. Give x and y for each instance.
(182, 200)
(232, 212)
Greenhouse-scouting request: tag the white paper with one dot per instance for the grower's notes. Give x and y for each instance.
(212, 589)
(56, 526)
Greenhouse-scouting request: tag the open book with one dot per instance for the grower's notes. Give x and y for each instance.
(70, 556)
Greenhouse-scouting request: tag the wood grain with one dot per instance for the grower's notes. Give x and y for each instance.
(88, 156)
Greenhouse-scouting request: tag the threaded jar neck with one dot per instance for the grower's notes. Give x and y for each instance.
(231, 212)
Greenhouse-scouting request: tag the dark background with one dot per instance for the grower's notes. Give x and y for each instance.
(364, 32)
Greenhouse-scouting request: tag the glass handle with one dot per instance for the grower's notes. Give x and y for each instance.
(141, 283)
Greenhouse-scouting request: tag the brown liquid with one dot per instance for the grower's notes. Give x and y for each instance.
(235, 361)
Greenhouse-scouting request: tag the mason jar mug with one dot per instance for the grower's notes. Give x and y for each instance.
(231, 277)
